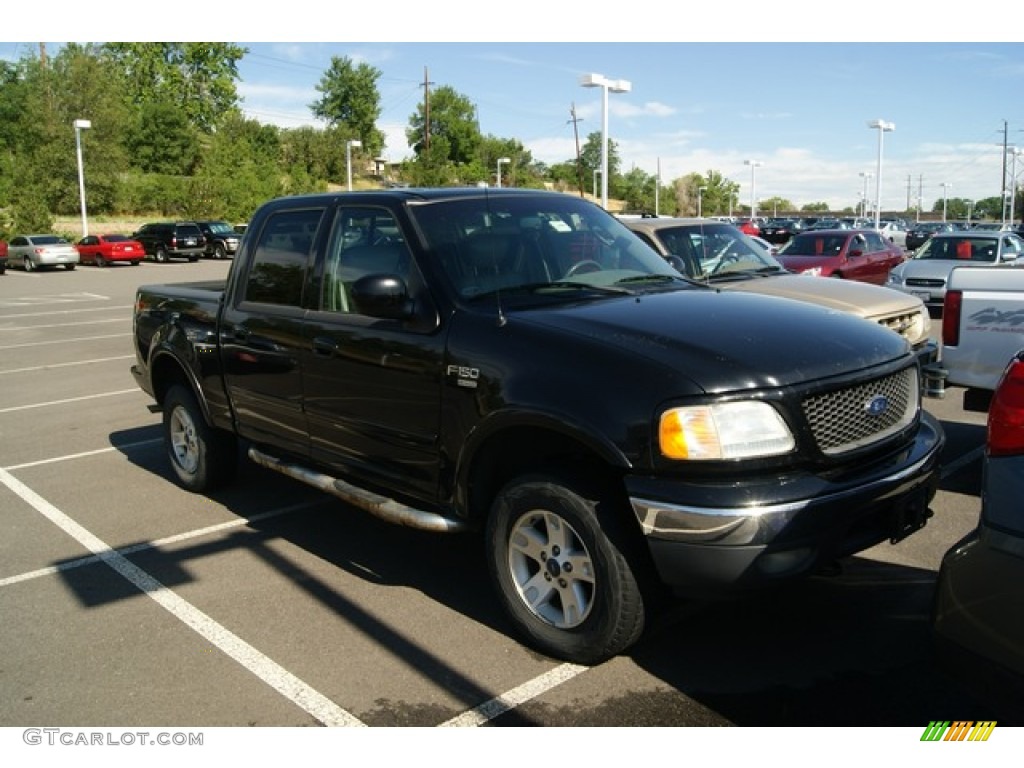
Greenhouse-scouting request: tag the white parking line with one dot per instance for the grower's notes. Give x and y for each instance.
(66, 341)
(76, 324)
(30, 406)
(520, 695)
(267, 670)
(65, 365)
(83, 454)
(156, 543)
(119, 308)
(56, 298)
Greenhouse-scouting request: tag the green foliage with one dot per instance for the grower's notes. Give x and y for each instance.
(815, 208)
(451, 124)
(199, 78)
(351, 102)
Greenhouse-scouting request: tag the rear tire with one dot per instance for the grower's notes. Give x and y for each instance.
(565, 569)
(69, 267)
(203, 458)
(161, 255)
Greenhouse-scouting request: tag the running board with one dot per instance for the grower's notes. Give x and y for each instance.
(377, 505)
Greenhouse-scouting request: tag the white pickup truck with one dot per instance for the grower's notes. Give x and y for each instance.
(982, 329)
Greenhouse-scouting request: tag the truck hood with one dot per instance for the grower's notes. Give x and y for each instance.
(850, 296)
(725, 340)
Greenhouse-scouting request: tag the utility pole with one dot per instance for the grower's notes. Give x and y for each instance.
(579, 159)
(908, 190)
(920, 194)
(426, 111)
(1002, 188)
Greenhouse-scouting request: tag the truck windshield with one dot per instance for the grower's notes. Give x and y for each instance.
(503, 242)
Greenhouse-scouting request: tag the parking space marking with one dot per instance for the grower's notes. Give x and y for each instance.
(76, 324)
(119, 308)
(511, 699)
(55, 298)
(67, 400)
(266, 669)
(65, 365)
(83, 454)
(157, 543)
(66, 341)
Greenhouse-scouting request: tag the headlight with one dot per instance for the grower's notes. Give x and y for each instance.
(724, 431)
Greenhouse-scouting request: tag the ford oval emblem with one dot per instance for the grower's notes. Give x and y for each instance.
(877, 405)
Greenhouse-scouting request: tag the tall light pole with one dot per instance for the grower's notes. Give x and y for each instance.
(700, 196)
(883, 127)
(753, 199)
(79, 125)
(1016, 152)
(502, 161)
(945, 186)
(866, 175)
(615, 86)
(348, 158)
(970, 210)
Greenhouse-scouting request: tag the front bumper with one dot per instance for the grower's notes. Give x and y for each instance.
(745, 534)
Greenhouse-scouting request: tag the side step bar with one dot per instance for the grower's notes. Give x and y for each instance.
(377, 505)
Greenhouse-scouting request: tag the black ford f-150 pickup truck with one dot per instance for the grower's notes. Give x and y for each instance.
(518, 364)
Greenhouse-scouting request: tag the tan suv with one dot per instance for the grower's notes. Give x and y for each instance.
(718, 253)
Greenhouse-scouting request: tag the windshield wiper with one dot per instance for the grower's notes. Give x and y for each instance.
(652, 278)
(744, 273)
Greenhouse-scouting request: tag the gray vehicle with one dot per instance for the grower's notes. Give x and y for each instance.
(977, 616)
(722, 256)
(926, 273)
(31, 252)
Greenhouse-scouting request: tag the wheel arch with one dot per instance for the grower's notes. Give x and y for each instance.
(168, 370)
(502, 451)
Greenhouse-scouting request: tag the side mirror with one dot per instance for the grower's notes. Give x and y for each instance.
(383, 296)
(1009, 256)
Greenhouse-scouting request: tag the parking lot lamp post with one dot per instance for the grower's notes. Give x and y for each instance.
(1016, 152)
(502, 161)
(348, 158)
(597, 171)
(753, 199)
(79, 125)
(866, 175)
(606, 85)
(700, 196)
(945, 187)
(883, 127)
(970, 210)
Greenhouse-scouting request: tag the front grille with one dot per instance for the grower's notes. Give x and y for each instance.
(848, 419)
(901, 324)
(926, 282)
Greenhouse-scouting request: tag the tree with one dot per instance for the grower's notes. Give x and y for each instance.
(453, 119)
(162, 140)
(351, 102)
(197, 77)
(590, 157)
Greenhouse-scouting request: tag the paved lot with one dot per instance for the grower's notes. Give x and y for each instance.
(127, 601)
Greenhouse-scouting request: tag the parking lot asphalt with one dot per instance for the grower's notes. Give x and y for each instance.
(127, 601)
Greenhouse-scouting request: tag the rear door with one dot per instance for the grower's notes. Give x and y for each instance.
(261, 331)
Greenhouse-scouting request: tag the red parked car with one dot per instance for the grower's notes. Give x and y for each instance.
(103, 250)
(3, 256)
(854, 254)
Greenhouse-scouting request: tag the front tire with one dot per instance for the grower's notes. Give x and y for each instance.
(565, 569)
(29, 265)
(219, 252)
(203, 458)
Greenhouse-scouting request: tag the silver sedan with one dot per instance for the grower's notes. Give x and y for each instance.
(36, 251)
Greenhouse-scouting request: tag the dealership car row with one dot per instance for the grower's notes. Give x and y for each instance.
(817, 246)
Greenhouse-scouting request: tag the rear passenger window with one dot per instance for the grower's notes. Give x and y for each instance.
(281, 258)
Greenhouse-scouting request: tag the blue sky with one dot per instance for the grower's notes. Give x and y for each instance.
(706, 103)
